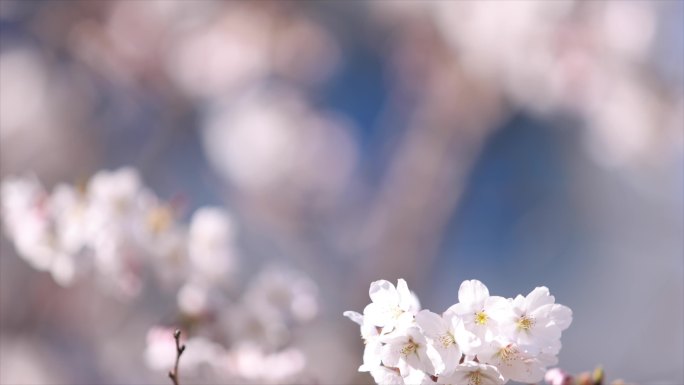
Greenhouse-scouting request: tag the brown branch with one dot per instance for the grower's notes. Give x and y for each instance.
(173, 374)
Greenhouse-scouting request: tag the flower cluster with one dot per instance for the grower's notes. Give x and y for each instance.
(117, 231)
(116, 226)
(481, 340)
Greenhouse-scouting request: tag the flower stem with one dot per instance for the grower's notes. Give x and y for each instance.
(173, 374)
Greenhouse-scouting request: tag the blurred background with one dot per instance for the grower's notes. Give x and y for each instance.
(521, 143)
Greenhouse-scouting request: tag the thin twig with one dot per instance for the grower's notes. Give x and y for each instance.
(173, 374)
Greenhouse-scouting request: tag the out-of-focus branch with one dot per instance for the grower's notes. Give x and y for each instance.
(456, 114)
(173, 374)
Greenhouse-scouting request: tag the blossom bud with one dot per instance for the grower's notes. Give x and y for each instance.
(556, 376)
(598, 376)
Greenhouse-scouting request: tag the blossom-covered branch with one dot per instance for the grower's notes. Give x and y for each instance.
(116, 229)
(482, 340)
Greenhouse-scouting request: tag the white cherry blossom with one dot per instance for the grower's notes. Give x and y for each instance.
(372, 352)
(116, 228)
(391, 306)
(211, 243)
(22, 197)
(447, 335)
(289, 293)
(407, 350)
(417, 377)
(536, 322)
(387, 376)
(482, 340)
(473, 373)
(68, 206)
(250, 361)
(512, 361)
(391, 376)
(480, 312)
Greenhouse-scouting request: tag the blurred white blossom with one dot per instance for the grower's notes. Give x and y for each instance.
(274, 143)
(116, 228)
(211, 244)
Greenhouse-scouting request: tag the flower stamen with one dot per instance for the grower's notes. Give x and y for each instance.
(525, 323)
(481, 318)
(507, 354)
(159, 219)
(474, 378)
(447, 340)
(410, 348)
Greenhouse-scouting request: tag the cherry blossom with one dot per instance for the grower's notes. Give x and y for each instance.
(408, 350)
(512, 361)
(116, 229)
(373, 346)
(479, 311)
(536, 322)
(447, 335)
(473, 373)
(391, 306)
(481, 340)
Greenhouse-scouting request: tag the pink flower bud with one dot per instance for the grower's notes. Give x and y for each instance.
(556, 376)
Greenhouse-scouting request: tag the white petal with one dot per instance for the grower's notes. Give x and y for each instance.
(548, 359)
(429, 358)
(383, 292)
(416, 361)
(498, 308)
(405, 320)
(489, 374)
(492, 375)
(518, 304)
(404, 294)
(391, 354)
(468, 342)
(547, 333)
(450, 357)
(413, 304)
(473, 292)
(376, 314)
(458, 310)
(383, 375)
(368, 331)
(354, 316)
(416, 377)
(561, 316)
(538, 297)
(542, 313)
(416, 334)
(372, 356)
(432, 324)
(528, 371)
(63, 269)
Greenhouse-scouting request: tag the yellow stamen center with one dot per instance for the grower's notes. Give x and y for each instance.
(397, 312)
(507, 353)
(409, 348)
(447, 340)
(481, 318)
(159, 219)
(474, 378)
(525, 323)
